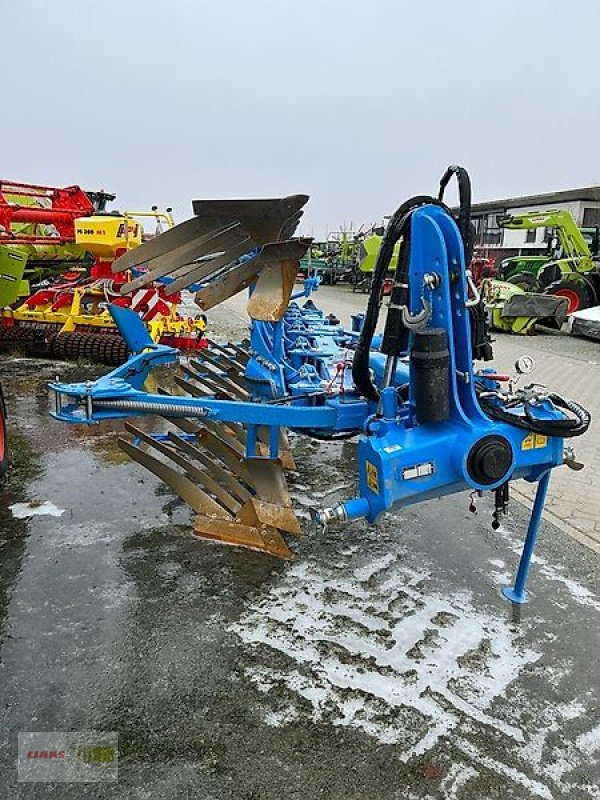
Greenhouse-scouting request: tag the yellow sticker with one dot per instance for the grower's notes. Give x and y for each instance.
(372, 477)
(528, 442)
(534, 441)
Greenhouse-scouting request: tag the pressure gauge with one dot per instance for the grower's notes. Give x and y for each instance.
(524, 365)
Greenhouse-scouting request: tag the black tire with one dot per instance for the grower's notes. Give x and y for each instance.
(525, 280)
(103, 348)
(580, 293)
(4, 452)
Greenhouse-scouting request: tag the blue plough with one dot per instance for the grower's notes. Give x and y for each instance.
(428, 422)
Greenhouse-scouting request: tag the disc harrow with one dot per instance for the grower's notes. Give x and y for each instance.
(50, 228)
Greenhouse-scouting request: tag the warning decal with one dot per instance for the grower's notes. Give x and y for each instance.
(372, 477)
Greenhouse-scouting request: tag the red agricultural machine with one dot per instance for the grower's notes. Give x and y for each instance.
(65, 241)
(481, 268)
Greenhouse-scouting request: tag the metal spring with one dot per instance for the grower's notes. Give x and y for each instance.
(165, 409)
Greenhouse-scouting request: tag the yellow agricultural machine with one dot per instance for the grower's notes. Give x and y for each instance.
(66, 316)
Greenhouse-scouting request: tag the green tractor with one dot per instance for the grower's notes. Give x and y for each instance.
(570, 270)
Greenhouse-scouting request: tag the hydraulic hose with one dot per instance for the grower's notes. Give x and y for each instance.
(396, 228)
(563, 428)
(396, 336)
(480, 338)
(464, 212)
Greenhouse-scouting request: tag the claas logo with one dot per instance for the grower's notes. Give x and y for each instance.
(45, 754)
(96, 755)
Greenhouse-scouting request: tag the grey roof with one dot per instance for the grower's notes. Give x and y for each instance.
(548, 198)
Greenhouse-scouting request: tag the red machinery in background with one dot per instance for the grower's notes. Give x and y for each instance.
(35, 205)
(481, 268)
(66, 239)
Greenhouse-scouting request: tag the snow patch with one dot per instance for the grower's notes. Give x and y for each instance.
(377, 653)
(32, 509)
(589, 742)
(367, 644)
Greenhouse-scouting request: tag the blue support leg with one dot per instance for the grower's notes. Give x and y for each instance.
(517, 593)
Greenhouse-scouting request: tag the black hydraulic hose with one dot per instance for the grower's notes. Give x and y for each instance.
(398, 226)
(464, 211)
(480, 338)
(564, 428)
(395, 229)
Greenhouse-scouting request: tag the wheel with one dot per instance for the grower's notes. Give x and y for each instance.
(524, 280)
(580, 294)
(3, 437)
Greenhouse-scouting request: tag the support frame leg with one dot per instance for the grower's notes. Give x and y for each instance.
(517, 593)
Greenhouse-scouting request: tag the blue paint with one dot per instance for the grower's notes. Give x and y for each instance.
(518, 593)
(131, 328)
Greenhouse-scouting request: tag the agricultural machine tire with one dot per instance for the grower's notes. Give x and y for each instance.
(358, 282)
(579, 294)
(525, 280)
(3, 437)
(29, 339)
(103, 348)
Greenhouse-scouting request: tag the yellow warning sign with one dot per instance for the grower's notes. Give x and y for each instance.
(534, 441)
(528, 442)
(372, 477)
